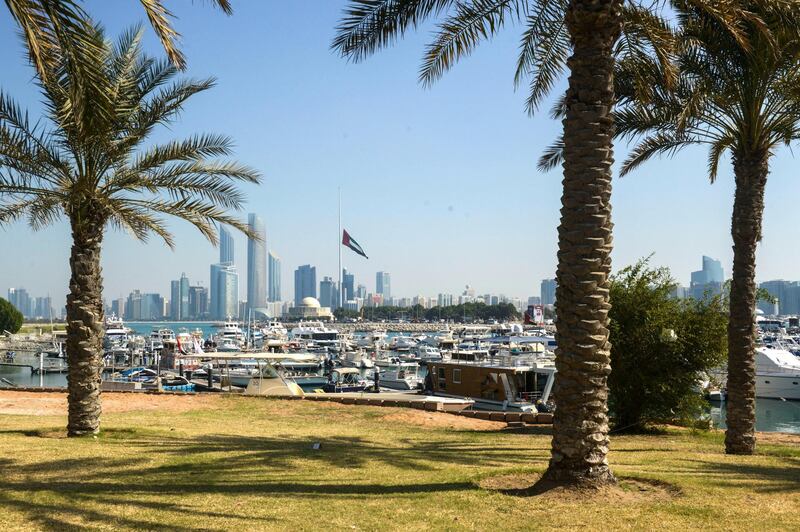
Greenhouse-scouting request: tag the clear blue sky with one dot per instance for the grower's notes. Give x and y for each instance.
(439, 185)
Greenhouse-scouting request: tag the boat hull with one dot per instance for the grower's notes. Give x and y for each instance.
(778, 386)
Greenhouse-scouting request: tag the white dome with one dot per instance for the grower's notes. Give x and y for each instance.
(309, 302)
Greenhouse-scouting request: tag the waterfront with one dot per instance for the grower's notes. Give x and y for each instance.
(772, 415)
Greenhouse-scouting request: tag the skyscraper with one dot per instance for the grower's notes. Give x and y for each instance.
(198, 302)
(274, 291)
(256, 264)
(383, 285)
(548, 291)
(179, 298)
(20, 298)
(225, 245)
(348, 285)
(709, 279)
(174, 302)
(305, 283)
(184, 297)
(328, 294)
(224, 289)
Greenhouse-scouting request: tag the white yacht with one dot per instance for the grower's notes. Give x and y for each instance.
(356, 359)
(402, 343)
(777, 373)
(231, 329)
(427, 353)
(116, 333)
(372, 339)
(317, 333)
(399, 375)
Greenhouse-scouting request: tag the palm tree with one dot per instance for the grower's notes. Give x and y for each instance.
(734, 96)
(582, 35)
(89, 165)
(41, 21)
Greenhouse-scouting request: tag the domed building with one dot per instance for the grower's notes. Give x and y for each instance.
(310, 309)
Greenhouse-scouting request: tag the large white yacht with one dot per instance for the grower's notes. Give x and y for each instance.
(316, 333)
(116, 333)
(777, 373)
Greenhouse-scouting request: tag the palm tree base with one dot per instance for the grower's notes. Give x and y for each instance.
(581, 478)
(739, 445)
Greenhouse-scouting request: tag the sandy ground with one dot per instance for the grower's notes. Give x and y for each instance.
(442, 420)
(55, 404)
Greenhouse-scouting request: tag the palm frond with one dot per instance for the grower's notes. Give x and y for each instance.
(368, 25)
(659, 143)
(457, 35)
(553, 155)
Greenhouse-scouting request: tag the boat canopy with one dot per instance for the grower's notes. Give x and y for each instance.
(297, 357)
(343, 371)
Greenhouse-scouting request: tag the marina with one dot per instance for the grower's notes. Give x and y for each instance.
(502, 367)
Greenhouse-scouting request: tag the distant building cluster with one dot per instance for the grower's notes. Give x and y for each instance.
(36, 308)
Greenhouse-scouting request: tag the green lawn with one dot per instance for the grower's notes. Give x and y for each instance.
(248, 463)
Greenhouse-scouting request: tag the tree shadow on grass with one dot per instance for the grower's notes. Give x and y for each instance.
(764, 478)
(221, 468)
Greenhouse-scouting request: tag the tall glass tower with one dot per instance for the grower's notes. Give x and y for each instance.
(274, 292)
(256, 264)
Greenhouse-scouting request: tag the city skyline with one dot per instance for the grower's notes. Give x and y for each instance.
(316, 144)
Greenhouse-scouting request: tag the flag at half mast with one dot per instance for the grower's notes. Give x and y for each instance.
(350, 242)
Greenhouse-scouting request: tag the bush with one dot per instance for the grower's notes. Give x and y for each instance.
(655, 374)
(10, 317)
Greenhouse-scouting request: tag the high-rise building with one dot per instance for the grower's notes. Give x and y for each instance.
(118, 307)
(43, 308)
(184, 297)
(445, 300)
(224, 291)
(709, 279)
(225, 245)
(787, 294)
(174, 300)
(361, 292)
(198, 302)
(179, 299)
(305, 283)
(274, 292)
(21, 300)
(133, 306)
(328, 294)
(383, 285)
(348, 285)
(548, 291)
(146, 306)
(256, 264)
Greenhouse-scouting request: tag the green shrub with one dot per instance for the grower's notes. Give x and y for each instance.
(655, 373)
(10, 317)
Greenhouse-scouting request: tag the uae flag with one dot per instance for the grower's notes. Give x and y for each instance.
(348, 241)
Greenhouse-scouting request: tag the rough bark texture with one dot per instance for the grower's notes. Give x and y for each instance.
(751, 178)
(580, 424)
(85, 329)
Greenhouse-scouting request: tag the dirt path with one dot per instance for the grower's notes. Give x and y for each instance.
(55, 404)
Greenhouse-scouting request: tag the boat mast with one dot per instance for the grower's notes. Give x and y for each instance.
(339, 247)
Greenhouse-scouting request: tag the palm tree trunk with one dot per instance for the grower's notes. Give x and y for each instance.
(85, 329)
(748, 207)
(580, 424)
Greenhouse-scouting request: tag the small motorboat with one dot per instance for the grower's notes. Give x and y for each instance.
(345, 380)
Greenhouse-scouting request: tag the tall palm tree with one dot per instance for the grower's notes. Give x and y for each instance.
(42, 20)
(737, 98)
(93, 169)
(583, 36)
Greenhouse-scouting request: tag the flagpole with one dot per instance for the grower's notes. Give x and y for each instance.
(339, 246)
